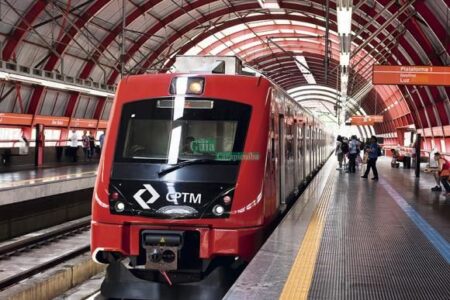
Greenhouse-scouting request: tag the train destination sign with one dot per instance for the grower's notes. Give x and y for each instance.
(411, 75)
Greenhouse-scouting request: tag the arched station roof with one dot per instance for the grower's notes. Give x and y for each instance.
(104, 39)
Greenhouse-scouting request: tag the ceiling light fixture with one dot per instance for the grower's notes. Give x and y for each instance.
(269, 4)
(344, 18)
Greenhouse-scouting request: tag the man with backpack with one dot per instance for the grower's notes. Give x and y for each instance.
(353, 151)
(374, 150)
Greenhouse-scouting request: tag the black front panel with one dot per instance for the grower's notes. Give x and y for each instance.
(162, 199)
(217, 172)
(178, 157)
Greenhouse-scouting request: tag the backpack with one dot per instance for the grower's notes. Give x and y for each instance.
(379, 152)
(344, 147)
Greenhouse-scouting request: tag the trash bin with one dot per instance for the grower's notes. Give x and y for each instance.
(407, 162)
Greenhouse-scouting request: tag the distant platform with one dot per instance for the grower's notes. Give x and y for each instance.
(353, 238)
(37, 183)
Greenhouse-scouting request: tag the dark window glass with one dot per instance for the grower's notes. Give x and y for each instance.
(160, 131)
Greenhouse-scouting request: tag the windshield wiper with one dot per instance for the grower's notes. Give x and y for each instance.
(186, 163)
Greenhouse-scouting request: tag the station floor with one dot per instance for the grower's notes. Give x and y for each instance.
(15, 179)
(354, 238)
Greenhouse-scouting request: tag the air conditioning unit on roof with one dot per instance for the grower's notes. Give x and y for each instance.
(230, 65)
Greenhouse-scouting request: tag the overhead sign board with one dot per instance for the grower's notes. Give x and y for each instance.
(366, 120)
(102, 124)
(83, 123)
(15, 119)
(411, 75)
(51, 121)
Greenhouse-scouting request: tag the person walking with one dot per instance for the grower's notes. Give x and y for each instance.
(339, 153)
(374, 151)
(353, 146)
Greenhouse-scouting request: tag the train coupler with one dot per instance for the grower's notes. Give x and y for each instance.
(162, 249)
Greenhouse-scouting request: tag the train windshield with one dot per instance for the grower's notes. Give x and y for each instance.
(173, 130)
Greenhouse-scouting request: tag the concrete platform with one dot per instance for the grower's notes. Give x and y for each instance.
(38, 183)
(354, 238)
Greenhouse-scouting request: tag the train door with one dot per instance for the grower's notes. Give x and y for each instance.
(301, 150)
(320, 146)
(313, 148)
(307, 153)
(282, 153)
(273, 159)
(310, 150)
(296, 155)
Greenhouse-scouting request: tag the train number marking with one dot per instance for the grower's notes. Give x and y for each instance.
(154, 196)
(177, 197)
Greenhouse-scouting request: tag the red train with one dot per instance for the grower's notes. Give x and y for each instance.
(195, 169)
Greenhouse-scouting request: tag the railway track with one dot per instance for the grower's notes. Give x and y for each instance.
(31, 254)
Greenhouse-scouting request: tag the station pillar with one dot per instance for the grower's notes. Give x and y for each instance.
(417, 145)
(40, 144)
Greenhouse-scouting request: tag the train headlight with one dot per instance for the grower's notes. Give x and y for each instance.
(119, 207)
(195, 87)
(218, 210)
(187, 86)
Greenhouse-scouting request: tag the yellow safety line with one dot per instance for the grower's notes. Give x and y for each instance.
(300, 278)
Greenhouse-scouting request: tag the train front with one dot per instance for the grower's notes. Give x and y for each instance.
(180, 182)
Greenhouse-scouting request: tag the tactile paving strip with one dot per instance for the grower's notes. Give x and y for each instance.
(371, 250)
(301, 274)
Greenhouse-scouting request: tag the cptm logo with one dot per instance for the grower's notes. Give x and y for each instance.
(154, 196)
(173, 197)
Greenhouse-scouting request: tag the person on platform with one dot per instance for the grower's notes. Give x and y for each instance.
(374, 150)
(353, 151)
(91, 146)
(444, 171)
(86, 145)
(339, 153)
(74, 145)
(345, 150)
(433, 167)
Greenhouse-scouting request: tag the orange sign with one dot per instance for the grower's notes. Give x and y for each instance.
(51, 121)
(83, 123)
(411, 75)
(15, 119)
(102, 124)
(366, 120)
